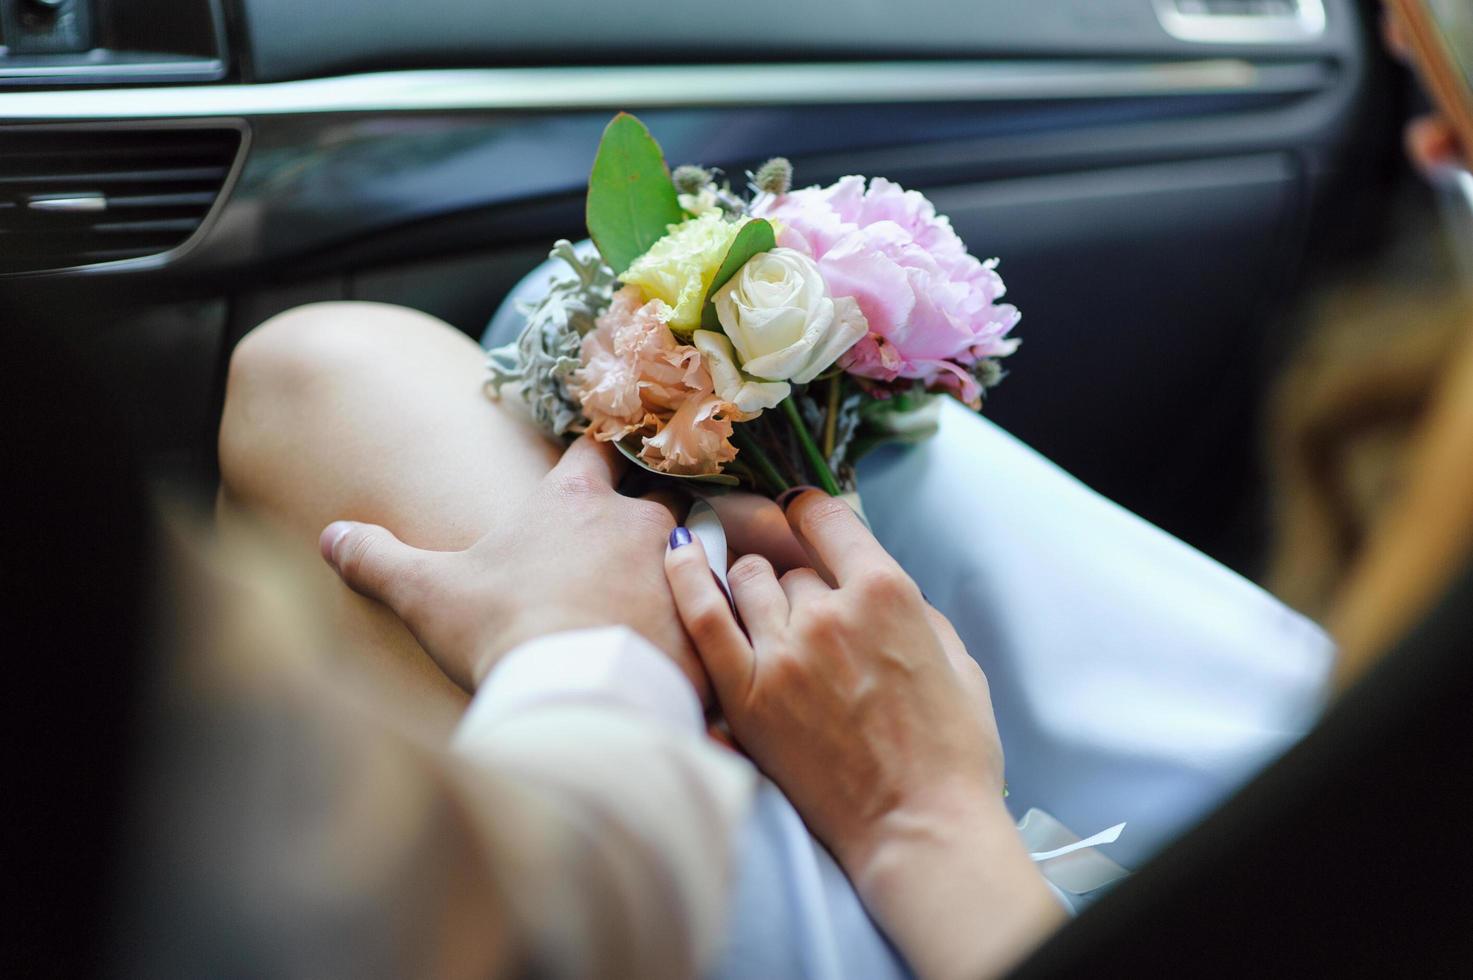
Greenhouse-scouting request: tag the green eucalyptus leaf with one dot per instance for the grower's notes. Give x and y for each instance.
(755, 238)
(631, 199)
(719, 479)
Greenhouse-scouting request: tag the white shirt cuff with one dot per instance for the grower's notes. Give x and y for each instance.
(611, 666)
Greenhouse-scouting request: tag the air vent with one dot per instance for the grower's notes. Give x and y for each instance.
(86, 196)
(1242, 21)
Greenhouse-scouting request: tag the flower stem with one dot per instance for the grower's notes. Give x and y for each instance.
(760, 462)
(737, 469)
(778, 441)
(831, 417)
(810, 449)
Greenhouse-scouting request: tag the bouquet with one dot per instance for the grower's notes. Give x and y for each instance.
(766, 339)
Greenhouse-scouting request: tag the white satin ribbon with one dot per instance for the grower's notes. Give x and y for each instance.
(1067, 861)
(703, 523)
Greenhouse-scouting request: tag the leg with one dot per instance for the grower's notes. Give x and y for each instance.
(374, 413)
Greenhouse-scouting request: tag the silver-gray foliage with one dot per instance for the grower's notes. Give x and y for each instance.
(537, 364)
(845, 429)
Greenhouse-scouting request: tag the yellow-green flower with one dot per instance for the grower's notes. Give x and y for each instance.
(679, 267)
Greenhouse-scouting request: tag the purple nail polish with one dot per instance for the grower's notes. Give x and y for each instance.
(680, 537)
(791, 494)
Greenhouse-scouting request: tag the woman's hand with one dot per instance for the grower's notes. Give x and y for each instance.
(576, 554)
(859, 700)
(848, 697)
(1431, 142)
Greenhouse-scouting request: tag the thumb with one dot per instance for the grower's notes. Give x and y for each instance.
(374, 563)
(597, 463)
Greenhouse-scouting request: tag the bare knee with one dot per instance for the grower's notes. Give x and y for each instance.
(272, 370)
(308, 343)
(293, 369)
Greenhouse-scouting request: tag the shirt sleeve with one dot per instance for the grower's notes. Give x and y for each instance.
(287, 818)
(636, 856)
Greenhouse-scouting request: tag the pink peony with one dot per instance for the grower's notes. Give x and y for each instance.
(931, 306)
(636, 379)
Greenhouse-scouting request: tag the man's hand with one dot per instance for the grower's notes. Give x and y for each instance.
(576, 554)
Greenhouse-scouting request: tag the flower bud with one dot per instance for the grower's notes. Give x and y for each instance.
(774, 177)
(689, 179)
(988, 372)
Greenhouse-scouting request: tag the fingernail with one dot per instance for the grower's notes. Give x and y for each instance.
(680, 537)
(791, 494)
(331, 535)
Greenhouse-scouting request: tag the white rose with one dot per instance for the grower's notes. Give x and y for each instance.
(781, 320)
(750, 397)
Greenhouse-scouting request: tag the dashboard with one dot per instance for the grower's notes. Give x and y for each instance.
(201, 135)
(1155, 174)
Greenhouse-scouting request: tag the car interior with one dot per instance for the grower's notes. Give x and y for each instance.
(1163, 180)
(1173, 187)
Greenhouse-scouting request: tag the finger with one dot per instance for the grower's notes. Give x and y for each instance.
(759, 599)
(374, 563)
(836, 536)
(707, 617)
(802, 585)
(756, 526)
(587, 459)
(1431, 143)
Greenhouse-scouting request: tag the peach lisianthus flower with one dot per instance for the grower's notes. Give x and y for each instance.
(697, 439)
(634, 373)
(637, 379)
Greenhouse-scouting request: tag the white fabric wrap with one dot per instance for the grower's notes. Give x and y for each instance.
(1134, 678)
